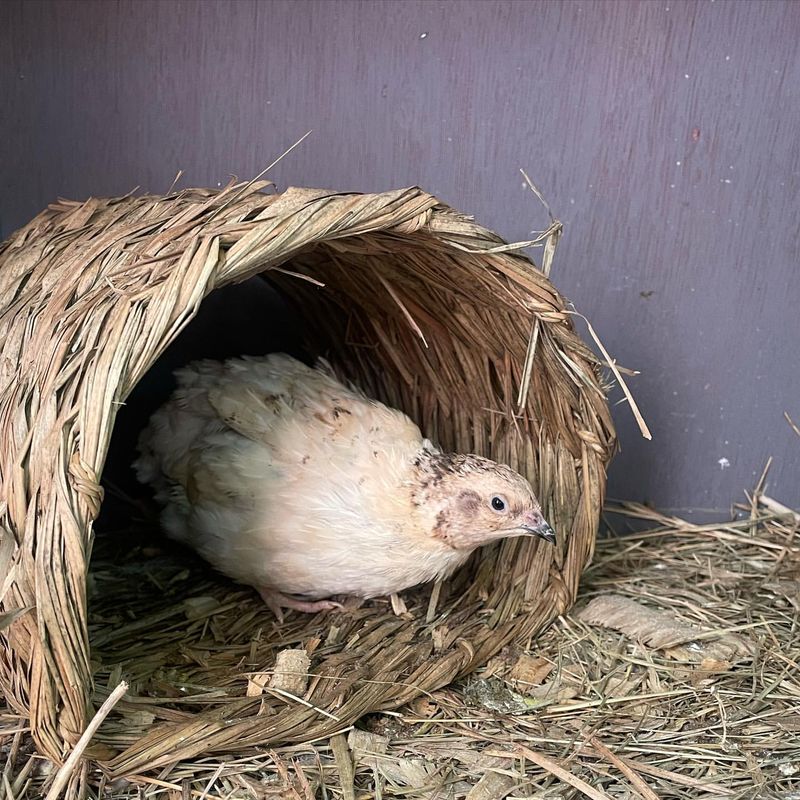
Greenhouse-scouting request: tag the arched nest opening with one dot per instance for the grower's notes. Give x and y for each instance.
(409, 299)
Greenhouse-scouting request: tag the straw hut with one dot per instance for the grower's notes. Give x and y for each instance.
(414, 302)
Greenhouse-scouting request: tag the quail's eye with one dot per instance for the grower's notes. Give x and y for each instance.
(498, 504)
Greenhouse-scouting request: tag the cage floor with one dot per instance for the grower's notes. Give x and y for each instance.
(675, 676)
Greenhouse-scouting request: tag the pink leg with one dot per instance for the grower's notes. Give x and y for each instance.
(277, 601)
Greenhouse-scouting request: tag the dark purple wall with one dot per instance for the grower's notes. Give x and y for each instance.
(666, 136)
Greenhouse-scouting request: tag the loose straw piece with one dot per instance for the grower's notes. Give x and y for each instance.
(555, 769)
(344, 761)
(213, 780)
(74, 757)
(618, 375)
(260, 175)
(430, 616)
(136, 778)
(406, 313)
(625, 768)
(550, 237)
(532, 186)
(290, 696)
(298, 275)
(792, 423)
(527, 369)
(175, 181)
(778, 508)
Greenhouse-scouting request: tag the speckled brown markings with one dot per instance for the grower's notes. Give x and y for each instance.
(436, 466)
(469, 500)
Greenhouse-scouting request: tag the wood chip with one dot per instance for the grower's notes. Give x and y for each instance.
(291, 672)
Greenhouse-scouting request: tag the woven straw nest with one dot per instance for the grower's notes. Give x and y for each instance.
(92, 293)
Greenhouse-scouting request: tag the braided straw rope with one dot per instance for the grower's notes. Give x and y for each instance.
(92, 293)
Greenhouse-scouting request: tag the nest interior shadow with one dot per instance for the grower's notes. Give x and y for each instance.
(415, 303)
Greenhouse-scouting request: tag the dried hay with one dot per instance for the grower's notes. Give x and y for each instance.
(583, 711)
(413, 301)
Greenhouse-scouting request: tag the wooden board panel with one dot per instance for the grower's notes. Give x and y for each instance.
(664, 134)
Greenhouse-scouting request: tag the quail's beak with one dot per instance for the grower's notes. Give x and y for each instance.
(535, 525)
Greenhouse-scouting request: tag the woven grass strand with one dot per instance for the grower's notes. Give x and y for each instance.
(91, 293)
